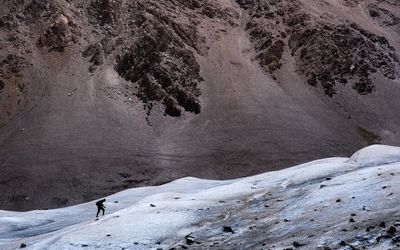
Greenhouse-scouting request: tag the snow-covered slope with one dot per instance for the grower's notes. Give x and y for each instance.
(335, 203)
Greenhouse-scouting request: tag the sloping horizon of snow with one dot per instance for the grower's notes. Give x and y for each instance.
(310, 204)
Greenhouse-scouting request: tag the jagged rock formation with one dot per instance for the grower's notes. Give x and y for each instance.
(157, 54)
(102, 95)
(153, 49)
(327, 51)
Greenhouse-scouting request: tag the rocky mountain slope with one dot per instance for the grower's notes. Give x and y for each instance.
(102, 95)
(335, 203)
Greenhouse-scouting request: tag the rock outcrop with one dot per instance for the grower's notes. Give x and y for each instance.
(327, 52)
(157, 54)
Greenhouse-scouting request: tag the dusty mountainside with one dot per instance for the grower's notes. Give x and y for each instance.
(97, 96)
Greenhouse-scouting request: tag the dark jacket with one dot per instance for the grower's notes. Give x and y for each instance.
(100, 204)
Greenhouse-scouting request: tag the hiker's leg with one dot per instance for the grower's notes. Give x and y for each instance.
(98, 211)
(103, 210)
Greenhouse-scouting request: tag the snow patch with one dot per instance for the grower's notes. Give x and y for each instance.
(335, 203)
(376, 155)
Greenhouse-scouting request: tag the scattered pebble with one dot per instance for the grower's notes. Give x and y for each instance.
(297, 244)
(190, 240)
(396, 239)
(383, 237)
(227, 229)
(392, 230)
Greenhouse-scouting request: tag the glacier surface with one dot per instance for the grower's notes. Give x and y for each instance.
(334, 203)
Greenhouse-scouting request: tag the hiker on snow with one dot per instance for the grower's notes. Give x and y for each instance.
(100, 207)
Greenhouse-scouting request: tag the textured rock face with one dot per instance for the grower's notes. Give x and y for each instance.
(157, 54)
(327, 52)
(105, 12)
(151, 44)
(12, 90)
(11, 67)
(164, 69)
(343, 54)
(60, 32)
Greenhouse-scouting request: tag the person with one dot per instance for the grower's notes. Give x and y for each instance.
(100, 207)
